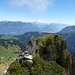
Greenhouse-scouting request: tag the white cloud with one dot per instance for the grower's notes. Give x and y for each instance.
(25, 20)
(34, 5)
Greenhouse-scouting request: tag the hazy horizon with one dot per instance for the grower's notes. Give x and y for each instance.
(45, 11)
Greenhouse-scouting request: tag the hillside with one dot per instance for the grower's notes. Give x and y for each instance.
(49, 57)
(9, 48)
(9, 51)
(24, 38)
(17, 28)
(69, 38)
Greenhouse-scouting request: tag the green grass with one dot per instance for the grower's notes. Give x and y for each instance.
(8, 50)
(7, 56)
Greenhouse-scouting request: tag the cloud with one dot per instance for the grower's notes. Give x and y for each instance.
(37, 5)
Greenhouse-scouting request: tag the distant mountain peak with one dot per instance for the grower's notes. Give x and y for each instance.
(68, 29)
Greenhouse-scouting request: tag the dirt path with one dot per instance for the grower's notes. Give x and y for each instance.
(4, 66)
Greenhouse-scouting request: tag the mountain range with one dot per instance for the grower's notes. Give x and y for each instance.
(24, 31)
(24, 38)
(16, 37)
(16, 28)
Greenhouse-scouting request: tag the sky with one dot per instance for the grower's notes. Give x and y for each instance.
(48, 11)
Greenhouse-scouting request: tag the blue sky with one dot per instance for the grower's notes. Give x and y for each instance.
(49, 11)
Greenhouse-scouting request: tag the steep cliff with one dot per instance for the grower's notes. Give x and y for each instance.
(50, 57)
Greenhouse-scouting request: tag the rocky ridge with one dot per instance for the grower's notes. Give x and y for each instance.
(42, 53)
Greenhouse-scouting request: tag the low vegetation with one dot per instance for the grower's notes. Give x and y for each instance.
(51, 58)
(40, 67)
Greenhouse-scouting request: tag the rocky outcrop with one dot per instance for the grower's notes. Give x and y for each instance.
(51, 47)
(24, 57)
